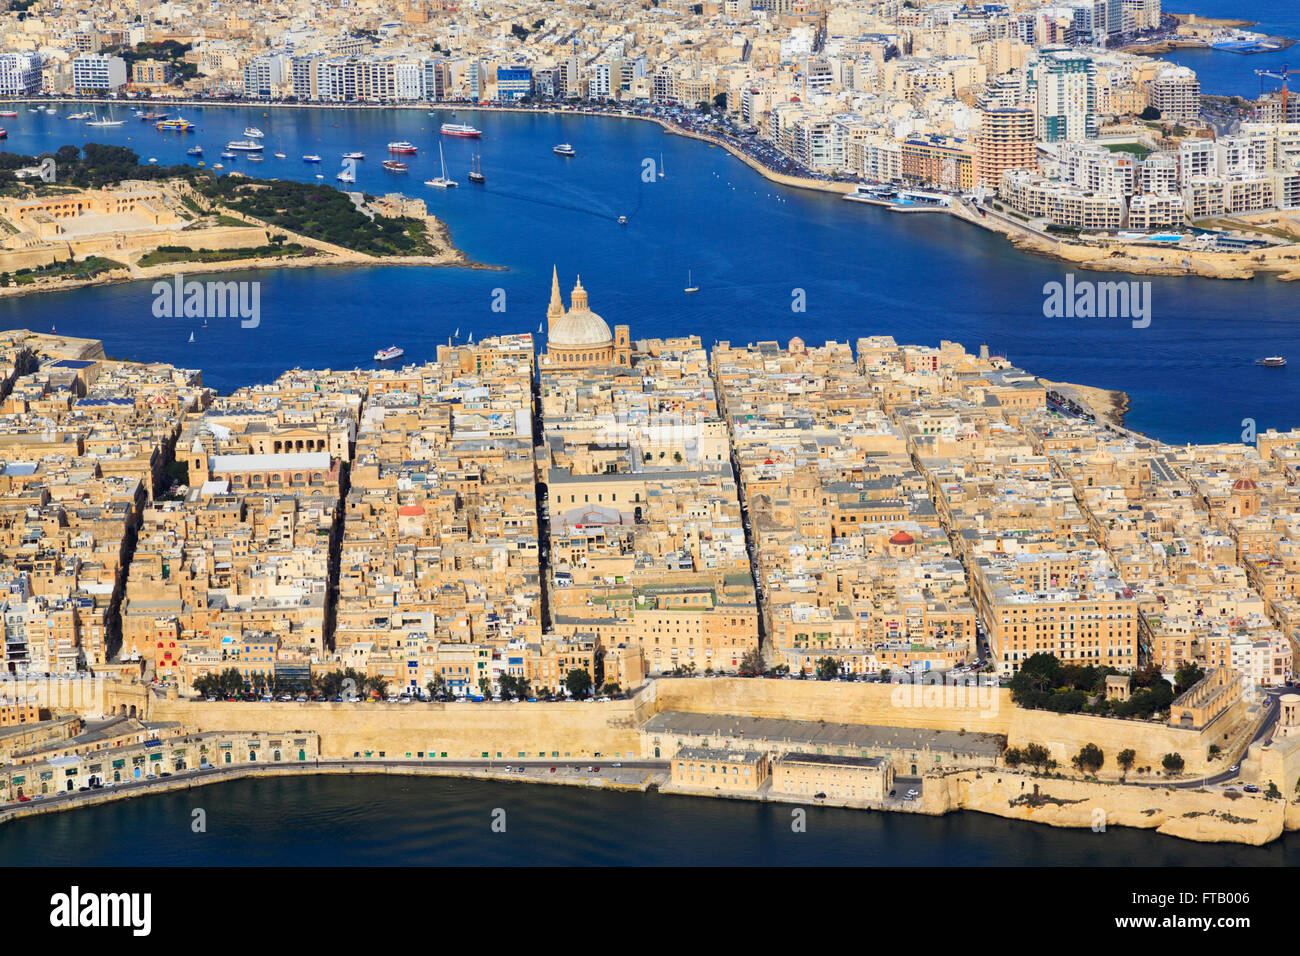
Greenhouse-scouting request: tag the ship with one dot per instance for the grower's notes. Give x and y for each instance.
(177, 125)
(244, 146)
(310, 158)
(354, 155)
(1272, 361)
(461, 129)
(252, 132)
(564, 149)
(401, 146)
(9, 114)
(392, 352)
(393, 166)
(4, 133)
(476, 174)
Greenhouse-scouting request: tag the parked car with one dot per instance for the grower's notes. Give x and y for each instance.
(819, 796)
(1250, 788)
(552, 770)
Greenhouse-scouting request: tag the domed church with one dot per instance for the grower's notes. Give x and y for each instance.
(579, 338)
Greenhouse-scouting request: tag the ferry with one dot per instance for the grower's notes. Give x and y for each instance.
(401, 146)
(177, 125)
(392, 352)
(1273, 361)
(252, 132)
(564, 149)
(461, 129)
(393, 166)
(310, 158)
(354, 155)
(9, 114)
(244, 146)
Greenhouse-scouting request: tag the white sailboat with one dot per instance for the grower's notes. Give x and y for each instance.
(661, 165)
(441, 181)
(106, 122)
(191, 338)
(690, 286)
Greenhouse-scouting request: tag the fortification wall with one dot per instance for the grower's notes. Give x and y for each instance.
(462, 731)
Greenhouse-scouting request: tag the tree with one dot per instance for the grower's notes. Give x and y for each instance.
(752, 662)
(522, 688)
(1272, 792)
(1215, 750)
(1150, 113)
(1089, 759)
(578, 682)
(1038, 756)
(1186, 676)
(508, 685)
(1173, 764)
(485, 686)
(1126, 759)
(612, 690)
(827, 668)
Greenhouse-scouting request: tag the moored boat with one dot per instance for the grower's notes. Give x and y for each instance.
(1272, 361)
(401, 146)
(393, 166)
(461, 129)
(564, 149)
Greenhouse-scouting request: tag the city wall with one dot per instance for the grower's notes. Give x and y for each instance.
(462, 731)
(1202, 816)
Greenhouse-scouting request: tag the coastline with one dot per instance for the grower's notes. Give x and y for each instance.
(1104, 255)
(1107, 405)
(1182, 814)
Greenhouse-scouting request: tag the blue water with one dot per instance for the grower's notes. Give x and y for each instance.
(415, 821)
(1233, 74)
(751, 245)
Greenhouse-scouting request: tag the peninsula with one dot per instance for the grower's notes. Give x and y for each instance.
(880, 576)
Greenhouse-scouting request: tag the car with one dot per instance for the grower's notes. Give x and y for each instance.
(83, 789)
(893, 792)
(301, 699)
(1234, 768)
(618, 765)
(285, 697)
(595, 770)
(519, 769)
(912, 793)
(1250, 788)
(819, 796)
(509, 768)
(164, 774)
(23, 799)
(552, 770)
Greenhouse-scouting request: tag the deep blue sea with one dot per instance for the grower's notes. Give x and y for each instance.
(748, 244)
(418, 821)
(1233, 74)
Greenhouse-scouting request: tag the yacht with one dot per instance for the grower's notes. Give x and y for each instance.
(461, 129)
(244, 146)
(401, 146)
(691, 287)
(441, 181)
(84, 115)
(229, 155)
(4, 133)
(1273, 361)
(564, 149)
(106, 122)
(354, 155)
(252, 132)
(347, 176)
(310, 158)
(392, 352)
(194, 151)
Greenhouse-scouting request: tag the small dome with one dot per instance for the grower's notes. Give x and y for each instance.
(902, 538)
(1244, 484)
(410, 511)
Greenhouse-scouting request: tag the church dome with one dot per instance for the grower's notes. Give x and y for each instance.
(580, 328)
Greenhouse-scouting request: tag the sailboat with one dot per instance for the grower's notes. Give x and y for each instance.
(476, 174)
(191, 338)
(441, 181)
(690, 286)
(661, 165)
(106, 122)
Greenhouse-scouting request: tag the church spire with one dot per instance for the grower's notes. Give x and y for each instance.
(556, 309)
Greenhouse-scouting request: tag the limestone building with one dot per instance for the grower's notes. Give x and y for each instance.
(578, 337)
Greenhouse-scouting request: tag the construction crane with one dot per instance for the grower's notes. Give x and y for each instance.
(1280, 74)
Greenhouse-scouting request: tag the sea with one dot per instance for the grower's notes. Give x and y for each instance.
(1233, 74)
(770, 263)
(419, 821)
(757, 252)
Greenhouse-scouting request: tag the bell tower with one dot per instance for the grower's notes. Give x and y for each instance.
(556, 309)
